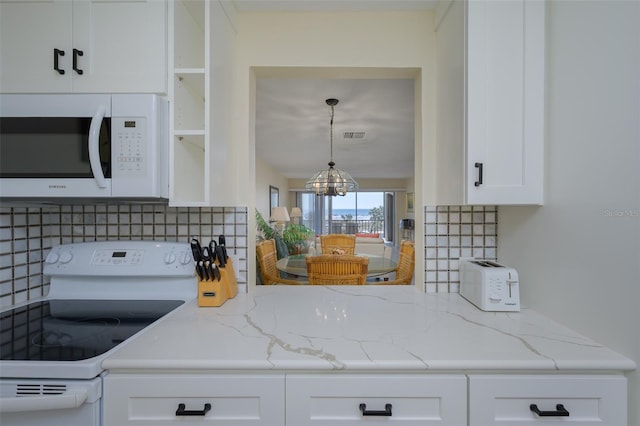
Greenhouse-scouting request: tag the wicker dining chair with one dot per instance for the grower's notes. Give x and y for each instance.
(406, 264)
(328, 269)
(267, 258)
(345, 242)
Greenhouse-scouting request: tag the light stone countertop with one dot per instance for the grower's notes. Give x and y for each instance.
(359, 329)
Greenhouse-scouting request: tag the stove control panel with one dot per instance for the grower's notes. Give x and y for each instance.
(117, 257)
(121, 258)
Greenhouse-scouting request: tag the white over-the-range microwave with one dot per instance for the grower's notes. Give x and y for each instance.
(84, 146)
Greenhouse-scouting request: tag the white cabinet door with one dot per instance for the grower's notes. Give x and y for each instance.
(158, 399)
(490, 102)
(577, 400)
(99, 46)
(32, 34)
(349, 399)
(124, 45)
(505, 102)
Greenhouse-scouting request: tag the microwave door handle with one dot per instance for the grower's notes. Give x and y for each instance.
(94, 147)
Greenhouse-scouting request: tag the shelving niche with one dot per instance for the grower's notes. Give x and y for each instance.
(200, 94)
(188, 109)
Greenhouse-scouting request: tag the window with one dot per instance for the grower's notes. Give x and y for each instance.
(356, 212)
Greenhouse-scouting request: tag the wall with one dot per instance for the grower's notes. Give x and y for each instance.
(265, 176)
(578, 256)
(452, 232)
(28, 233)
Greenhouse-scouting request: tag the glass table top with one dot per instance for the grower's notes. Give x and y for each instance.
(296, 265)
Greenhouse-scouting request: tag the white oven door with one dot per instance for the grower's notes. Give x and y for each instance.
(50, 402)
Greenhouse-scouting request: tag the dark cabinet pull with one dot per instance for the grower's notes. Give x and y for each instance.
(479, 167)
(56, 55)
(76, 53)
(182, 412)
(560, 411)
(385, 412)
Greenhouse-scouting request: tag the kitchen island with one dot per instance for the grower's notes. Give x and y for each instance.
(345, 354)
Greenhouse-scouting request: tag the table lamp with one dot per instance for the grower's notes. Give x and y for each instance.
(279, 215)
(296, 214)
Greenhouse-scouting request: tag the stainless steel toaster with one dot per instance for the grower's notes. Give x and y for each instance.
(489, 285)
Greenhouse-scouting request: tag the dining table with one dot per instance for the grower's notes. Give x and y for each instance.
(296, 265)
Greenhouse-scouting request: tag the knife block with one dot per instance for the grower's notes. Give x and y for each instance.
(213, 293)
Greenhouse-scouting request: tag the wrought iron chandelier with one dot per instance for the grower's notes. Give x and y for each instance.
(331, 181)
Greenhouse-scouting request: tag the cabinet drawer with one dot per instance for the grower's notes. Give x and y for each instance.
(412, 400)
(154, 399)
(507, 400)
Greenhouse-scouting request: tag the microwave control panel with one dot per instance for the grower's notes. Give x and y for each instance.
(130, 145)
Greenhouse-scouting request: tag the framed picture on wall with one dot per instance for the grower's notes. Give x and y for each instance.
(274, 198)
(410, 202)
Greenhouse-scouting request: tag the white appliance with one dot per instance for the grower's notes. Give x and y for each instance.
(489, 285)
(102, 294)
(84, 145)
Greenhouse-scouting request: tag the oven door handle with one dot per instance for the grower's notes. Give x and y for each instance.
(67, 400)
(94, 147)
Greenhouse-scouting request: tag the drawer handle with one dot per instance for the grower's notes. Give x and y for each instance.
(385, 412)
(182, 412)
(560, 411)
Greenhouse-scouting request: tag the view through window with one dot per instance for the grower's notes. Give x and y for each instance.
(355, 213)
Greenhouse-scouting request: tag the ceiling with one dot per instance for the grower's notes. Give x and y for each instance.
(292, 119)
(293, 126)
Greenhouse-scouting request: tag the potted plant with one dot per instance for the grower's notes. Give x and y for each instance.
(296, 237)
(269, 233)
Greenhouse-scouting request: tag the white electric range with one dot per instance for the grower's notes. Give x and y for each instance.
(101, 295)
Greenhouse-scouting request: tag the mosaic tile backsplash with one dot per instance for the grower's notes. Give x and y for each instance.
(452, 232)
(27, 235)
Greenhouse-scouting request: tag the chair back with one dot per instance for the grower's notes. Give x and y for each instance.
(406, 264)
(329, 269)
(267, 258)
(345, 242)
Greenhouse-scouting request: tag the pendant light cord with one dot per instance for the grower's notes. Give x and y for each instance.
(331, 136)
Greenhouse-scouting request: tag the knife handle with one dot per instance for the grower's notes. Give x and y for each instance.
(205, 272)
(199, 272)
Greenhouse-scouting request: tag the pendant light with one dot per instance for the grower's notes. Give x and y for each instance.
(331, 181)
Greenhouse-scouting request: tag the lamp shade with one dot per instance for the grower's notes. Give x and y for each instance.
(279, 214)
(296, 212)
(331, 182)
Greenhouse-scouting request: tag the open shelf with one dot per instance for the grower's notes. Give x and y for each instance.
(200, 67)
(189, 34)
(189, 165)
(189, 104)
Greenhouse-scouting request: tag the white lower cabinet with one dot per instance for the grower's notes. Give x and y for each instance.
(220, 399)
(560, 400)
(351, 399)
(296, 399)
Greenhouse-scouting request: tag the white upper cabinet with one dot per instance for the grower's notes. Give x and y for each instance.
(490, 102)
(83, 46)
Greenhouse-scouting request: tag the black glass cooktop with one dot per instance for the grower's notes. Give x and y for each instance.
(72, 330)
